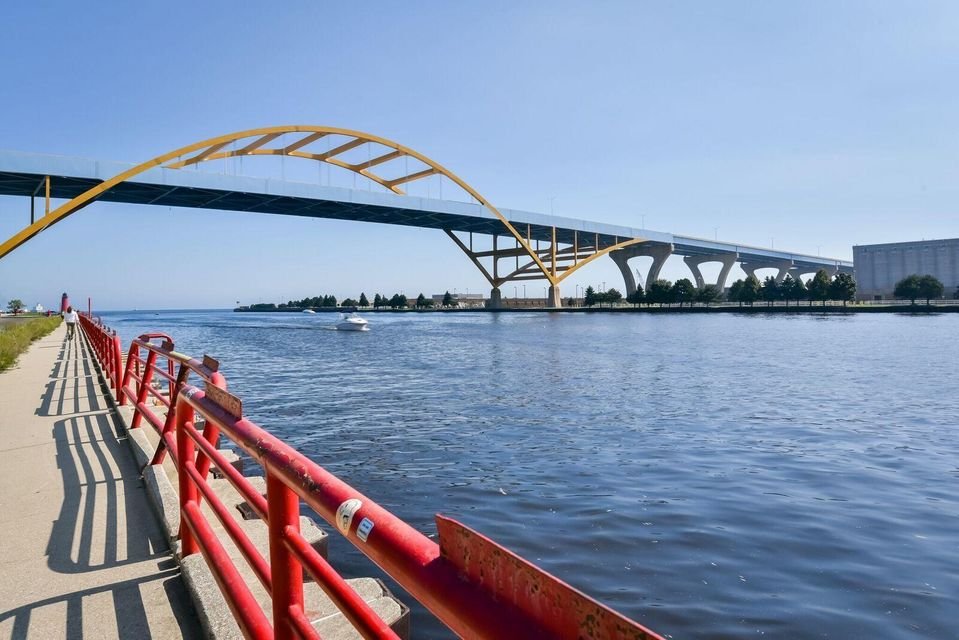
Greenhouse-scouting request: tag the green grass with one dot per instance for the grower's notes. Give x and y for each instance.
(16, 338)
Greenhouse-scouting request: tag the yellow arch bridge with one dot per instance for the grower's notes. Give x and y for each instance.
(516, 245)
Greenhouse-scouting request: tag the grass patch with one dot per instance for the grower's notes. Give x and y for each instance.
(16, 338)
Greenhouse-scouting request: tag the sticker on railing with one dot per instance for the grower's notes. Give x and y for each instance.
(345, 513)
(363, 531)
(166, 345)
(226, 401)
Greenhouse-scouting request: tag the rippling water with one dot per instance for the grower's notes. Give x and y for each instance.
(708, 475)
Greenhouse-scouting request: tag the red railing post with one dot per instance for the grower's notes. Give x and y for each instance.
(132, 355)
(117, 361)
(285, 569)
(188, 491)
(142, 389)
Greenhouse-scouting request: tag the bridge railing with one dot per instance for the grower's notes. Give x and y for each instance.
(106, 345)
(474, 586)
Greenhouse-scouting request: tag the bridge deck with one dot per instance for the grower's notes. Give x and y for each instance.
(23, 174)
(83, 554)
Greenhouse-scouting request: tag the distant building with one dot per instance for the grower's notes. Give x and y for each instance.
(880, 266)
(460, 299)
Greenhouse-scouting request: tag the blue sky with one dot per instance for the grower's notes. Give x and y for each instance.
(813, 126)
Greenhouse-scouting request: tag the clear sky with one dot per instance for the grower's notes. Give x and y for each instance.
(812, 126)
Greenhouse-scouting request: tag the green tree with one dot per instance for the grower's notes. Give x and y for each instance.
(447, 299)
(736, 292)
(15, 305)
(709, 294)
(637, 297)
(930, 287)
(660, 292)
(377, 301)
(751, 290)
(819, 287)
(589, 298)
(613, 296)
(770, 291)
(843, 287)
(349, 302)
(364, 302)
(421, 300)
(908, 287)
(797, 291)
(399, 301)
(683, 291)
(785, 288)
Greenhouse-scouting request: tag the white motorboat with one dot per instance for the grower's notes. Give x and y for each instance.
(308, 311)
(352, 322)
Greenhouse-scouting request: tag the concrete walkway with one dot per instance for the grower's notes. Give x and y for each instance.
(81, 553)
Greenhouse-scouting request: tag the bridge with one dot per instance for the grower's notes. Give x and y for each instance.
(506, 245)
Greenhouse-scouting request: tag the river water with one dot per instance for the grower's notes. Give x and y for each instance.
(715, 475)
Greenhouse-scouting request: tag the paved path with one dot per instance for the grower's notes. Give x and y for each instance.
(81, 553)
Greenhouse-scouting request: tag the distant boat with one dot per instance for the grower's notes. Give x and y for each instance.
(352, 322)
(308, 311)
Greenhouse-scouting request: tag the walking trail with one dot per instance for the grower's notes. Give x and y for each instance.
(83, 555)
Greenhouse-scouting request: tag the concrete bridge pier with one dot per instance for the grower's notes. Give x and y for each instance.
(554, 300)
(784, 267)
(658, 252)
(495, 299)
(727, 260)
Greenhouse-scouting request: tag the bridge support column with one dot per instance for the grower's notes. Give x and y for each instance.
(784, 267)
(621, 261)
(495, 299)
(727, 260)
(658, 252)
(554, 300)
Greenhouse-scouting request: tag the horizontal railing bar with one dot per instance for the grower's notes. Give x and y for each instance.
(249, 616)
(255, 559)
(238, 480)
(364, 619)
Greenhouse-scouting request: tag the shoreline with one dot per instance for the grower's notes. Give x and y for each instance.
(919, 309)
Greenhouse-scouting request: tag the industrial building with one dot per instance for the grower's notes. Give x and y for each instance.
(879, 267)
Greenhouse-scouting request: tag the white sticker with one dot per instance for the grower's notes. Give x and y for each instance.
(363, 531)
(345, 513)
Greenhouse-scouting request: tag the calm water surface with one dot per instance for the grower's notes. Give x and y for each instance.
(709, 476)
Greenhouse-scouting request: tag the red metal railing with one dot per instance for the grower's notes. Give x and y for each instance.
(473, 585)
(145, 396)
(106, 345)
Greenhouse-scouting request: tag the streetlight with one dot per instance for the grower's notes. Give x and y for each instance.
(514, 292)
(604, 285)
(716, 233)
(524, 292)
(551, 198)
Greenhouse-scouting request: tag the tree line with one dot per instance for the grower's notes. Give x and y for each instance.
(744, 291)
(396, 301)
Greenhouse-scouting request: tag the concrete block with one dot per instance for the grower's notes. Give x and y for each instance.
(211, 607)
(141, 446)
(164, 498)
(235, 461)
(330, 623)
(230, 496)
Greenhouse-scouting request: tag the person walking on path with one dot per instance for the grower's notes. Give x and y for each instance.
(70, 317)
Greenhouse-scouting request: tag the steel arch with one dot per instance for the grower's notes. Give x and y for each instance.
(212, 149)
